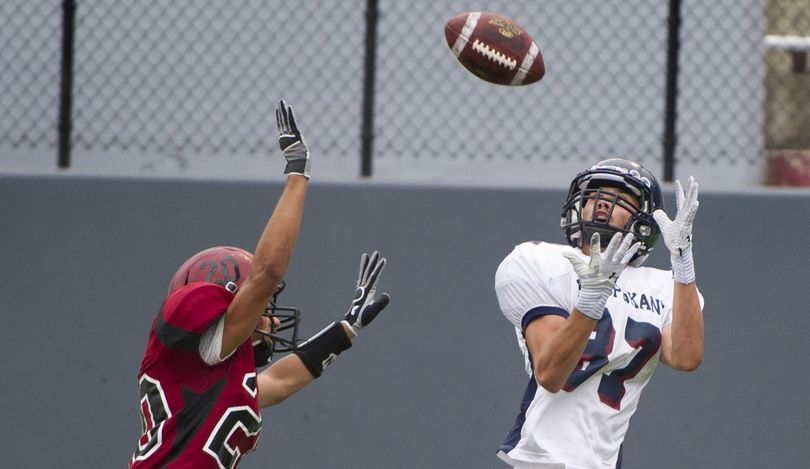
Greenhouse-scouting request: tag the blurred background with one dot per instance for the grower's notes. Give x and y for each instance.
(133, 134)
(718, 89)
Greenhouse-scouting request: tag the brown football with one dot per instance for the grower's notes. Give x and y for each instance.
(494, 48)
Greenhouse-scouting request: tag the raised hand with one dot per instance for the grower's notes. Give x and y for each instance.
(292, 144)
(598, 276)
(365, 307)
(677, 233)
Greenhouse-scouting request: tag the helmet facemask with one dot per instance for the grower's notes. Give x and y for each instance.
(283, 335)
(594, 184)
(602, 224)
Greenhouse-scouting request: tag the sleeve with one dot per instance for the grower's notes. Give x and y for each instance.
(528, 286)
(188, 313)
(211, 343)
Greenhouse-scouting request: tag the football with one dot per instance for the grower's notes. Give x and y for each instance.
(494, 48)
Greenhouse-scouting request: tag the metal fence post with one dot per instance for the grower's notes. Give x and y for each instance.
(367, 132)
(66, 82)
(671, 105)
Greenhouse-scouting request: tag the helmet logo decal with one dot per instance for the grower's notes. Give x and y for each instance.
(226, 270)
(219, 265)
(645, 180)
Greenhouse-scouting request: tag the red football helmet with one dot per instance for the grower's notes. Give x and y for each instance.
(220, 265)
(229, 266)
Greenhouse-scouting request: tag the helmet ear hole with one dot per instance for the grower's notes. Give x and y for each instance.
(644, 230)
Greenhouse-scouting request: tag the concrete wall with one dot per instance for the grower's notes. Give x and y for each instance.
(436, 381)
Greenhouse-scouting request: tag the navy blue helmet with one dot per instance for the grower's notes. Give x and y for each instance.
(628, 176)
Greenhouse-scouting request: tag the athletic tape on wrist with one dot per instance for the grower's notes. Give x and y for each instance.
(297, 167)
(320, 350)
(591, 303)
(683, 267)
(298, 174)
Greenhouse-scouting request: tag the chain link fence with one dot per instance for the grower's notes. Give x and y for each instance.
(200, 80)
(29, 73)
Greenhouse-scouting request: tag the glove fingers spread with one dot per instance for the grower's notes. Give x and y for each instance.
(291, 120)
(285, 120)
(363, 264)
(596, 250)
(367, 266)
(365, 307)
(292, 145)
(630, 253)
(373, 260)
(623, 248)
(690, 217)
(691, 200)
(614, 247)
(279, 124)
(576, 263)
(677, 232)
(679, 196)
(281, 118)
(598, 277)
(687, 203)
(661, 219)
(376, 269)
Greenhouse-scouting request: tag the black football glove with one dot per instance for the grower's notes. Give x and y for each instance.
(365, 307)
(292, 144)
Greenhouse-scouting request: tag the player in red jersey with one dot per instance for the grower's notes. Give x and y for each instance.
(200, 391)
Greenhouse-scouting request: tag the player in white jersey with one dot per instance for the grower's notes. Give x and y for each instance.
(592, 322)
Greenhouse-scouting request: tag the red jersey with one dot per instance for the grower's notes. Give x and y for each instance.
(194, 415)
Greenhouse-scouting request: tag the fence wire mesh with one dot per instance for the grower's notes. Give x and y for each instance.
(29, 72)
(203, 78)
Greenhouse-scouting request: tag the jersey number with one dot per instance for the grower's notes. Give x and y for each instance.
(154, 412)
(640, 335)
(227, 443)
(229, 440)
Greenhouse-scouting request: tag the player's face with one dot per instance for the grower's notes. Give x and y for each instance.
(264, 325)
(599, 209)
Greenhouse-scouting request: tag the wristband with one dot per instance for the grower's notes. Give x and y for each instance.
(591, 302)
(297, 155)
(683, 266)
(300, 167)
(320, 350)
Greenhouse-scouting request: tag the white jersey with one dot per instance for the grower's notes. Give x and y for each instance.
(583, 425)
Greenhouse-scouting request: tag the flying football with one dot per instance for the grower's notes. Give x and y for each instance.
(494, 48)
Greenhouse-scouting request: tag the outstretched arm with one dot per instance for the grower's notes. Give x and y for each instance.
(682, 340)
(555, 343)
(275, 246)
(290, 374)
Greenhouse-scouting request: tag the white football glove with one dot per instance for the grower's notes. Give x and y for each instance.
(677, 233)
(599, 275)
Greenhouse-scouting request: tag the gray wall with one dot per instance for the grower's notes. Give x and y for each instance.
(436, 381)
